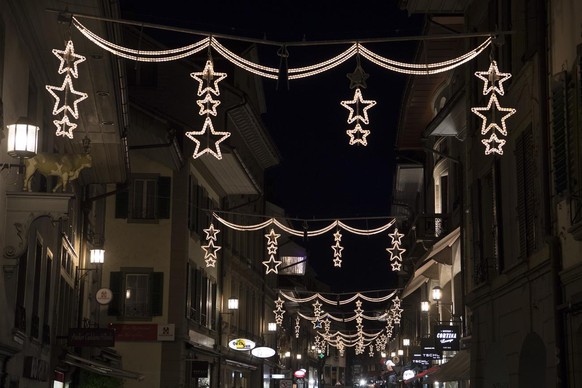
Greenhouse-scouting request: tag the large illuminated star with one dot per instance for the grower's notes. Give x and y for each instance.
(358, 135)
(211, 232)
(396, 237)
(67, 91)
(493, 79)
(208, 105)
(496, 147)
(272, 265)
(358, 102)
(210, 250)
(208, 79)
(272, 237)
(337, 249)
(279, 303)
(194, 135)
(65, 127)
(485, 127)
(395, 252)
(69, 60)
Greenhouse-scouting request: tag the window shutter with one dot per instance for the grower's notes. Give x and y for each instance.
(157, 293)
(526, 193)
(115, 285)
(560, 132)
(164, 194)
(121, 201)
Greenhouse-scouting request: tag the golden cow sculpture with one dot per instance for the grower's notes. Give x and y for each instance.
(65, 166)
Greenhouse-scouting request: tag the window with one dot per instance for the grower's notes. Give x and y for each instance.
(47, 298)
(146, 199)
(200, 206)
(137, 293)
(201, 298)
(35, 326)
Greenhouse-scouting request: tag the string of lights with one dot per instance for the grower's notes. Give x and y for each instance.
(356, 296)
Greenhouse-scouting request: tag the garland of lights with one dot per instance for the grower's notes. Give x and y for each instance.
(327, 315)
(339, 302)
(279, 311)
(272, 264)
(68, 65)
(337, 249)
(493, 83)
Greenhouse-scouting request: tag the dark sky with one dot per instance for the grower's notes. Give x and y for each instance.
(321, 175)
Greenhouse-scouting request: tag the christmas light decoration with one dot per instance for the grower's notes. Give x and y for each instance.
(358, 135)
(338, 301)
(337, 249)
(211, 232)
(396, 252)
(208, 131)
(297, 326)
(210, 253)
(493, 79)
(67, 90)
(357, 102)
(272, 264)
(493, 145)
(493, 103)
(208, 79)
(208, 105)
(69, 60)
(65, 127)
(396, 237)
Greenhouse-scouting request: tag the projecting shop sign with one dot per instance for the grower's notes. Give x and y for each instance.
(447, 337)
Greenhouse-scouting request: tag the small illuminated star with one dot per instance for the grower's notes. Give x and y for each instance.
(279, 303)
(396, 311)
(337, 236)
(491, 77)
(211, 232)
(69, 60)
(337, 262)
(208, 79)
(210, 250)
(396, 301)
(358, 101)
(65, 127)
(67, 90)
(396, 252)
(208, 105)
(496, 149)
(358, 78)
(210, 262)
(272, 249)
(317, 306)
(396, 237)
(358, 135)
(193, 135)
(317, 324)
(272, 265)
(493, 102)
(272, 237)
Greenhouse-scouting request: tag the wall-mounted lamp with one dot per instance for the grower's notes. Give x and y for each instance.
(400, 352)
(22, 139)
(272, 326)
(298, 356)
(97, 256)
(437, 293)
(406, 342)
(425, 306)
(287, 354)
(232, 303)
(383, 354)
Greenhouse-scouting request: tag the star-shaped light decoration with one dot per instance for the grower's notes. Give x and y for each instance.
(316, 324)
(272, 265)
(211, 232)
(67, 91)
(337, 236)
(358, 102)
(317, 307)
(337, 262)
(279, 316)
(69, 60)
(337, 252)
(493, 145)
(485, 126)
(272, 237)
(396, 313)
(208, 131)
(493, 79)
(396, 237)
(358, 135)
(396, 252)
(210, 251)
(358, 78)
(279, 303)
(208, 105)
(65, 127)
(208, 79)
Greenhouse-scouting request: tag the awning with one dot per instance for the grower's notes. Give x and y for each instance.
(422, 374)
(101, 368)
(440, 254)
(457, 369)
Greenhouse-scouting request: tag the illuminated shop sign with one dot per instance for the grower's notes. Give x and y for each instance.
(241, 344)
(447, 337)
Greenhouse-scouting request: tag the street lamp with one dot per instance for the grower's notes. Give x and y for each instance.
(437, 294)
(272, 326)
(97, 256)
(22, 139)
(405, 342)
(232, 303)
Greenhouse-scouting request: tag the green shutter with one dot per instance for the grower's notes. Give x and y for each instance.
(115, 285)
(157, 293)
(164, 194)
(121, 201)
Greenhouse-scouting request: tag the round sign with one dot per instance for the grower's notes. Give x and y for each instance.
(104, 296)
(299, 373)
(241, 344)
(263, 352)
(408, 374)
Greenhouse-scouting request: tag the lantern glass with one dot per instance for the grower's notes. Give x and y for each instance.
(22, 139)
(298, 356)
(272, 326)
(400, 352)
(97, 256)
(437, 293)
(406, 342)
(233, 303)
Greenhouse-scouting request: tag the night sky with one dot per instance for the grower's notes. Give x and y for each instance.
(321, 176)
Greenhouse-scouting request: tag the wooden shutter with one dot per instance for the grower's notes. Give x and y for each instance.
(164, 196)
(115, 285)
(157, 293)
(526, 192)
